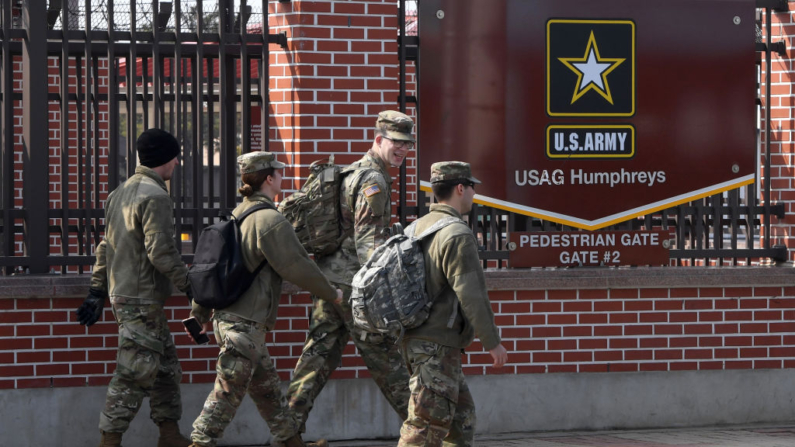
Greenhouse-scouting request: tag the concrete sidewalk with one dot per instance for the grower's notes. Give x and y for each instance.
(731, 436)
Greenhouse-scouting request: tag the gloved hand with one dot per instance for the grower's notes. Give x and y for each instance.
(202, 314)
(91, 310)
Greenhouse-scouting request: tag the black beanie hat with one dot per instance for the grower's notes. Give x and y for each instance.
(156, 147)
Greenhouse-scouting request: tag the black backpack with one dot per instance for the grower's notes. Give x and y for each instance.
(218, 276)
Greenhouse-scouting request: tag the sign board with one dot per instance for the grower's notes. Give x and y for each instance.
(589, 112)
(588, 249)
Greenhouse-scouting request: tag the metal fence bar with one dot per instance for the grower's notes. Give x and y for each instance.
(264, 80)
(734, 227)
(80, 184)
(95, 102)
(64, 79)
(768, 156)
(7, 149)
(716, 224)
(113, 104)
(245, 75)
(35, 142)
(132, 97)
(211, 202)
(157, 71)
(228, 110)
(197, 120)
(89, 63)
(146, 61)
(175, 122)
(402, 212)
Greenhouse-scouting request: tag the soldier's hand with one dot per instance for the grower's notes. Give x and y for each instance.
(207, 326)
(500, 356)
(91, 310)
(339, 297)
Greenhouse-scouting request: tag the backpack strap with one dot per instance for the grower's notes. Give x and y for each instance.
(358, 171)
(358, 168)
(438, 225)
(354, 170)
(248, 212)
(252, 210)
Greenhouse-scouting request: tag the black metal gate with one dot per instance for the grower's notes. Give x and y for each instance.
(95, 73)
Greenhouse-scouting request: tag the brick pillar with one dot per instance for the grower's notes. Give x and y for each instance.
(340, 69)
(782, 147)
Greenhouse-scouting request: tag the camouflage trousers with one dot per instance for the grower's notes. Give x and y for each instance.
(146, 365)
(441, 410)
(330, 328)
(244, 366)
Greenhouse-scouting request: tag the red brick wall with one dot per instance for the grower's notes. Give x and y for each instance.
(643, 330)
(553, 331)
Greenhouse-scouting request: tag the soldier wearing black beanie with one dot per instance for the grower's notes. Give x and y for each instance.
(156, 147)
(137, 265)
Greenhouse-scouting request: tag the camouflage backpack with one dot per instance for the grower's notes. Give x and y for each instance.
(389, 293)
(314, 210)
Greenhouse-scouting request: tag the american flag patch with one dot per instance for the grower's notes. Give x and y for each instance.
(372, 190)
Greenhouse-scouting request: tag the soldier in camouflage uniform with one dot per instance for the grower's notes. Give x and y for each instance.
(244, 364)
(137, 263)
(366, 206)
(441, 410)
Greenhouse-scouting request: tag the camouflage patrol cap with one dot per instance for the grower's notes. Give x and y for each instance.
(444, 171)
(257, 161)
(395, 125)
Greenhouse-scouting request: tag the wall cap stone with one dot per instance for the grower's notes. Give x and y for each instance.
(639, 277)
(59, 286)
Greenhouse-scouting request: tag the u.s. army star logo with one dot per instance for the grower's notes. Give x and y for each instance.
(590, 68)
(592, 71)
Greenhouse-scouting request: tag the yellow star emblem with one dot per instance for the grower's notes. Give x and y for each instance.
(592, 70)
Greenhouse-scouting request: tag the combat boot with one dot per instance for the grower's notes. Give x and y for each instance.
(170, 435)
(110, 439)
(295, 441)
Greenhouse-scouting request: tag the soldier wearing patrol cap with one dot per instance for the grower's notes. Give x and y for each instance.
(137, 265)
(244, 365)
(441, 410)
(365, 202)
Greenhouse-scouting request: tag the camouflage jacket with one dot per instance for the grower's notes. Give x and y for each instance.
(454, 274)
(138, 257)
(267, 235)
(366, 206)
